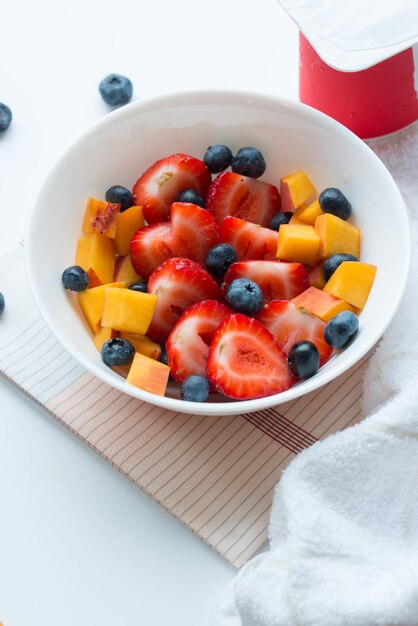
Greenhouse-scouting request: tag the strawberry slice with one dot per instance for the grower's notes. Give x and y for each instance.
(188, 342)
(250, 241)
(246, 198)
(290, 324)
(178, 283)
(245, 361)
(151, 246)
(194, 231)
(277, 280)
(161, 184)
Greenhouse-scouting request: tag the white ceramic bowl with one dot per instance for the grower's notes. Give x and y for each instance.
(291, 136)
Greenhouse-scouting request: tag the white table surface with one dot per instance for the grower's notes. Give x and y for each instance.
(79, 544)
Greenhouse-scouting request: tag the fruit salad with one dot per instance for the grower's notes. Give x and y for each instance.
(207, 274)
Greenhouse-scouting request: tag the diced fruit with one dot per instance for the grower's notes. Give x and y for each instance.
(250, 241)
(336, 236)
(151, 246)
(139, 286)
(161, 184)
(309, 213)
(295, 189)
(243, 197)
(219, 258)
(352, 282)
(333, 201)
(321, 304)
(217, 158)
(188, 342)
(143, 344)
(75, 278)
(303, 359)
(104, 334)
(94, 280)
(245, 361)
(298, 243)
(295, 220)
(194, 231)
(149, 374)
(288, 324)
(120, 195)
(340, 330)
(92, 301)
(128, 311)
(277, 220)
(127, 224)
(117, 351)
(195, 389)
(277, 280)
(116, 89)
(248, 162)
(124, 270)
(190, 195)
(101, 217)
(178, 283)
(96, 252)
(316, 276)
(334, 261)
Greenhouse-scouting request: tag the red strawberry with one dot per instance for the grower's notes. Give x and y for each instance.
(250, 241)
(194, 231)
(188, 342)
(178, 283)
(290, 324)
(277, 280)
(161, 184)
(247, 198)
(245, 361)
(151, 246)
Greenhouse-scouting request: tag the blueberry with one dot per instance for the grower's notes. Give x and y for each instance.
(75, 278)
(339, 331)
(195, 388)
(244, 296)
(164, 356)
(120, 195)
(2, 303)
(249, 162)
(334, 261)
(116, 89)
(303, 359)
(219, 258)
(142, 287)
(5, 117)
(333, 201)
(217, 158)
(190, 195)
(117, 352)
(279, 219)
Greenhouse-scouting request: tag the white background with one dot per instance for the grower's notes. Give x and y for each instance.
(79, 544)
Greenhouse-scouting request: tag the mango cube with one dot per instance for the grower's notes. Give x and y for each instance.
(128, 222)
(125, 271)
(92, 301)
(352, 281)
(148, 374)
(96, 252)
(101, 217)
(316, 275)
(298, 243)
(295, 220)
(308, 214)
(104, 334)
(336, 236)
(128, 311)
(321, 304)
(295, 189)
(144, 345)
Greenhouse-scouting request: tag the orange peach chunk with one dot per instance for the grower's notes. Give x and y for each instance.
(308, 214)
(316, 275)
(144, 345)
(104, 334)
(321, 304)
(94, 280)
(298, 243)
(128, 223)
(91, 302)
(124, 270)
(128, 311)
(96, 252)
(352, 282)
(336, 236)
(101, 217)
(295, 189)
(149, 374)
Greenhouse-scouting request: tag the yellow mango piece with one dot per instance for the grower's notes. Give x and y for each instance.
(124, 271)
(101, 217)
(321, 304)
(149, 374)
(336, 236)
(295, 220)
(295, 189)
(128, 311)
(104, 334)
(298, 243)
(96, 252)
(144, 345)
(92, 301)
(128, 222)
(352, 282)
(308, 214)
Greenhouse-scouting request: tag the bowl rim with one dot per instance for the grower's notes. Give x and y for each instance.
(215, 95)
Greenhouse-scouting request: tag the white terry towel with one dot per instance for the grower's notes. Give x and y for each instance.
(344, 523)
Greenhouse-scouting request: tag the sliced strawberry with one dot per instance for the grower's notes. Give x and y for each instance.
(290, 324)
(188, 342)
(250, 241)
(178, 283)
(277, 280)
(151, 246)
(247, 198)
(194, 231)
(245, 361)
(161, 184)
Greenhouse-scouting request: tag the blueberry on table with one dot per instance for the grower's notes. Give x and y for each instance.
(303, 359)
(117, 352)
(244, 296)
(249, 162)
(142, 287)
(217, 158)
(219, 258)
(279, 219)
(341, 329)
(332, 200)
(195, 388)
(190, 195)
(120, 195)
(2, 303)
(116, 89)
(75, 278)
(334, 261)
